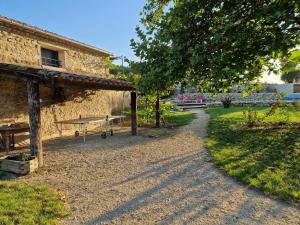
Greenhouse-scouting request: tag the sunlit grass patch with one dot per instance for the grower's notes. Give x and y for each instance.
(266, 158)
(180, 118)
(29, 204)
(177, 118)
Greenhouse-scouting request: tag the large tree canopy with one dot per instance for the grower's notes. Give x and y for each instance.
(216, 44)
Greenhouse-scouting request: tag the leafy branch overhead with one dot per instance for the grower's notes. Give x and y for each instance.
(215, 44)
(290, 65)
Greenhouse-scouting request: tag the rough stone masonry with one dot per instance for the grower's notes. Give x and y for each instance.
(21, 44)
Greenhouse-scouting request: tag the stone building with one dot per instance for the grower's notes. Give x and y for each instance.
(25, 45)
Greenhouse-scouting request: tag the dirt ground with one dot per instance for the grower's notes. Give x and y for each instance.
(159, 177)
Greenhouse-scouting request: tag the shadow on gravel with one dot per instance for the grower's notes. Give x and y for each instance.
(205, 195)
(121, 139)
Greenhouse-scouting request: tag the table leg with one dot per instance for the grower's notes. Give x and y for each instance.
(61, 130)
(84, 133)
(6, 141)
(13, 140)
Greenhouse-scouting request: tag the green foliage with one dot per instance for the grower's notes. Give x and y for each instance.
(261, 157)
(146, 113)
(26, 205)
(24, 156)
(126, 73)
(297, 105)
(280, 108)
(147, 109)
(291, 77)
(291, 61)
(214, 44)
(147, 105)
(116, 69)
(251, 118)
(291, 66)
(166, 108)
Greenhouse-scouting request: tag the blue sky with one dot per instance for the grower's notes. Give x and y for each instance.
(106, 24)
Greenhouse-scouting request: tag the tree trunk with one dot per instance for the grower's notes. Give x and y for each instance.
(147, 112)
(133, 114)
(157, 113)
(36, 147)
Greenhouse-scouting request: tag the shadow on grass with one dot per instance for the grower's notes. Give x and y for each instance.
(268, 159)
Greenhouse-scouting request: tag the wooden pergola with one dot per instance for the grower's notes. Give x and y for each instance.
(55, 79)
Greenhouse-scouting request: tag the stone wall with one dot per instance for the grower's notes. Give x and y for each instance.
(19, 47)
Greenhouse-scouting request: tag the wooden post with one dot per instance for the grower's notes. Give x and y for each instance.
(157, 113)
(36, 147)
(133, 114)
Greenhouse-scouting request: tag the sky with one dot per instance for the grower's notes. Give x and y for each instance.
(106, 24)
(272, 78)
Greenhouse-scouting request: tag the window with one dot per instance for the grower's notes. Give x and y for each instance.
(50, 58)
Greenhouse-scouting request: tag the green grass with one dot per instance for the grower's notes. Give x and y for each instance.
(27, 204)
(180, 118)
(265, 158)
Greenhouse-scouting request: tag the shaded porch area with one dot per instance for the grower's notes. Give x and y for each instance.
(35, 78)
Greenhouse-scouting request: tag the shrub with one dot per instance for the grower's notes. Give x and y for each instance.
(24, 156)
(147, 109)
(297, 104)
(281, 109)
(166, 107)
(251, 118)
(226, 100)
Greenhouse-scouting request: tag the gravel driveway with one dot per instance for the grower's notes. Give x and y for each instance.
(160, 177)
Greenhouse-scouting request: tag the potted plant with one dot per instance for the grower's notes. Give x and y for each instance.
(20, 164)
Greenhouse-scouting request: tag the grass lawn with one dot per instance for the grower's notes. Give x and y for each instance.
(265, 158)
(27, 204)
(180, 118)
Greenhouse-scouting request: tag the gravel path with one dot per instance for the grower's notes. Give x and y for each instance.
(168, 179)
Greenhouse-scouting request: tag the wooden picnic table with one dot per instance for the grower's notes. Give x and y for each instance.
(8, 135)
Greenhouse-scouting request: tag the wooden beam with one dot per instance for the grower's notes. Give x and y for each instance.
(36, 147)
(65, 82)
(133, 114)
(80, 85)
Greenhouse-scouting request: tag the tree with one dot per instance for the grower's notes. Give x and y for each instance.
(151, 86)
(290, 66)
(291, 77)
(153, 67)
(214, 44)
